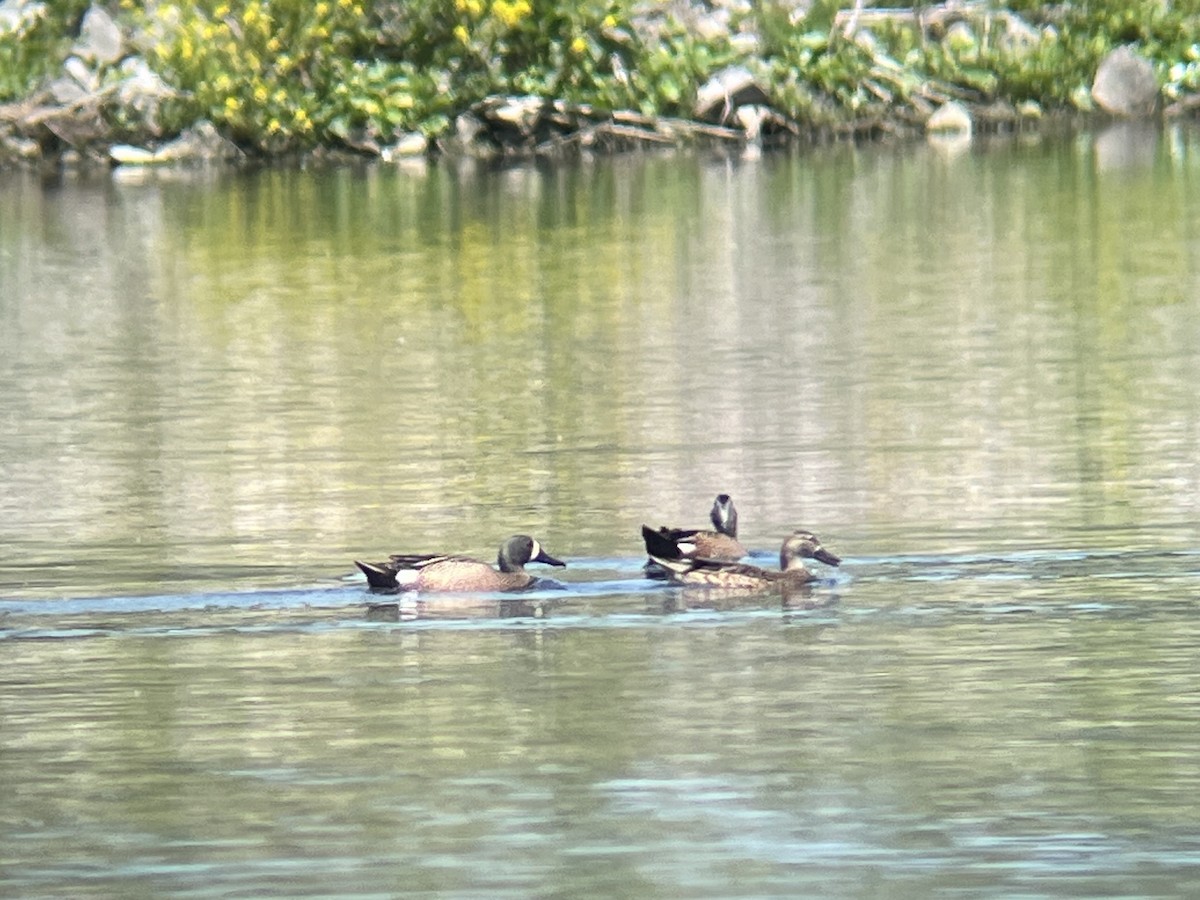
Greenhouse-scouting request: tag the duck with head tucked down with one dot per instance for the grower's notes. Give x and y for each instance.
(695, 570)
(442, 572)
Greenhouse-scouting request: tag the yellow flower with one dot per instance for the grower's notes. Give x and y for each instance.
(345, 4)
(273, 127)
(273, 44)
(461, 33)
(511, 12)
(221, 11)
(260, 93)
(232, 104)
(280, 96)
(610, 21)
(321, 10)
(579, 46)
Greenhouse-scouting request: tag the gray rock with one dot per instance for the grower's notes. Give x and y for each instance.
(519, 113)
(949, 118)
(761, 123)
(467, 128)
(67, 90)
(141, 92)
(100, 39)
(200, 143)
(18, 16)
(719, 98)
(746, 43)
(83, 76)
(751, 119)
(1018, 37)
(1125, 84)
(411, 144)
(19, 147)
(128, 155)
(1029, 109)
(712, 26)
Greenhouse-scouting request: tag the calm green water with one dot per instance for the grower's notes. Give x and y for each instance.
(974, 375)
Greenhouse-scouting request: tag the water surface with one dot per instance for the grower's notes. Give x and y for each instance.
(973, 374)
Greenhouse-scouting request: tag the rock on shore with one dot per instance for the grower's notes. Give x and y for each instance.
(1125, 84)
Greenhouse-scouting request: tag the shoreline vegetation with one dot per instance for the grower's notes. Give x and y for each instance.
(134, 83)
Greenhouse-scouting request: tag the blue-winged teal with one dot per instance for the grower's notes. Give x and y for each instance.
(721, 544)
(434, 572)
(797, 547)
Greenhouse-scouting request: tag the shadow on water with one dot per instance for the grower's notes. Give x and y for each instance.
(609, 592)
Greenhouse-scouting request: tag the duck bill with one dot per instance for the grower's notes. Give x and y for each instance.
(826, 557)
(544, 557)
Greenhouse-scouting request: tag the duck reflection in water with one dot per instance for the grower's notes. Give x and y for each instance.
(789, 597)
(409, 607)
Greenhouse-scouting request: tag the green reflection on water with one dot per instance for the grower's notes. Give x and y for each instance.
(281, 370)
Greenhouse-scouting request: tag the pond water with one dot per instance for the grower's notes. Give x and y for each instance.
(971, 371)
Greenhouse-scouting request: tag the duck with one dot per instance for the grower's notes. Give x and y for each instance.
(721, 544)
(695, 570)
(447, 572)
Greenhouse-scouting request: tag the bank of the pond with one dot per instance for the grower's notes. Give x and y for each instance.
(170, 83)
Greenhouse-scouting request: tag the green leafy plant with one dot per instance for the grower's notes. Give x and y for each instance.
(276, 74)
(34, 39)
(285, 75)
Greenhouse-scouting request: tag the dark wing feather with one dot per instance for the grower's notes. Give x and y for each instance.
(679, 534)
(660, 543)
(398, 561)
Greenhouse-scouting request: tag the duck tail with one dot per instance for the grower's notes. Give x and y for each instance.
(378, 576)
(660, 544)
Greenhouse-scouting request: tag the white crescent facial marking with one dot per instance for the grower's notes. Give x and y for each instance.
(536, 551)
